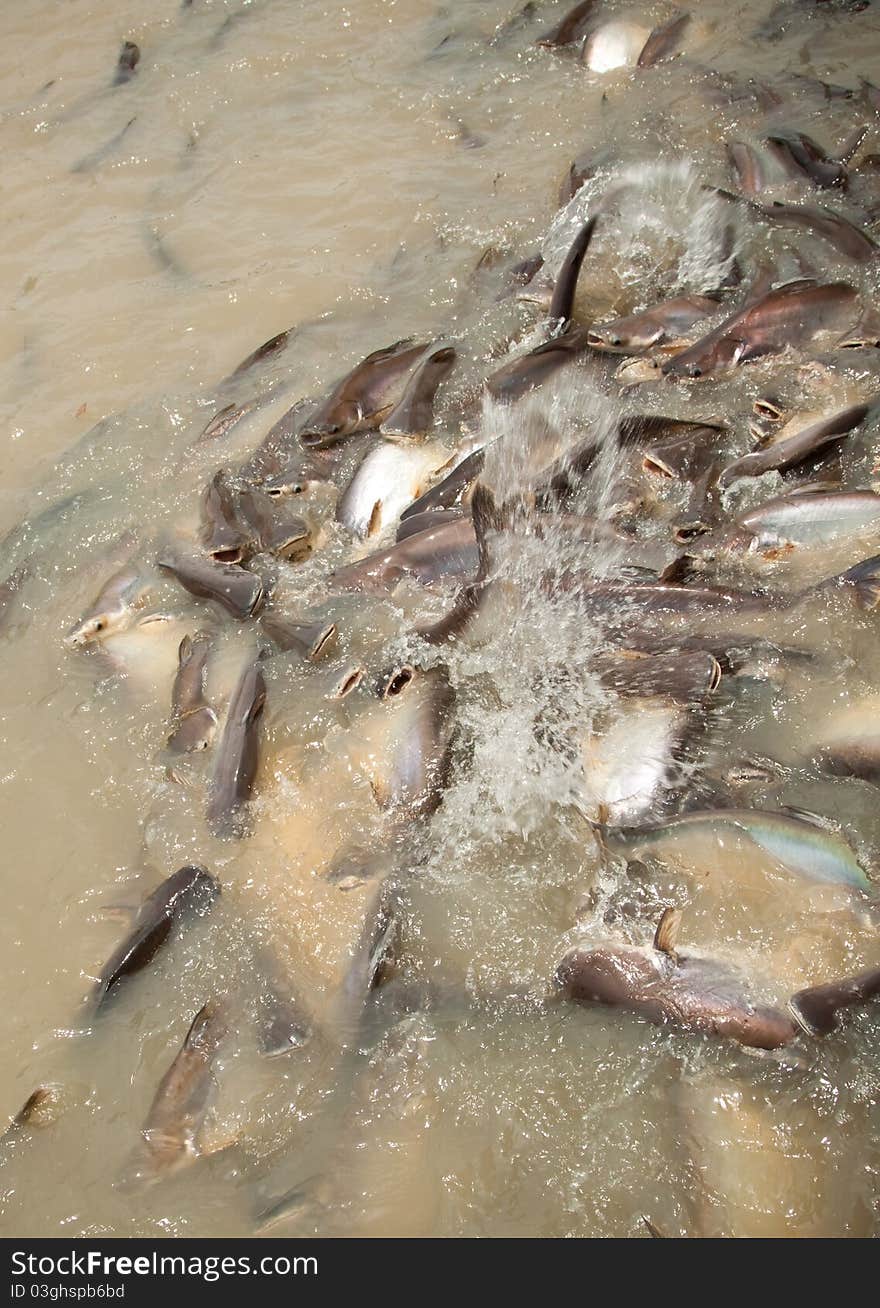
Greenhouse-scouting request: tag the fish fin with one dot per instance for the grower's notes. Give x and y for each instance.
(375, 519)
(807, 815)
(666, 935)
(851, 145)
(653, 1230)
(679, 572)
(864, 577)
(486, 517)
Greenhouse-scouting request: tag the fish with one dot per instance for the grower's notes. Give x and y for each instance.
(238, 591)
(809, 158)
(361, 400)
(581, 170)
(797, 841)
(809, 517)
(387, 480)
(194, 720)
(230, 415)
(664, 41)
(832, 227)
(406, 741)
(95, 158)
(799, 437)
(237, 756)
(275, 529)
(118, 600)
(746, 163)
(661, 323)
(413, 415)
(449, 550)
(683, 676)
(171, 1133)
(312, 640)
(189, 890)
(848, 744)
(9, 590)
(701, 996)
(223, 534)
(684, 455)
(41, 1109)
(129, 58)
(571, 28)
(426, 521)
(268, 350)
(785, 315)
(527, 371)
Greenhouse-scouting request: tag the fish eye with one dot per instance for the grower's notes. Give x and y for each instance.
(695, 371)
(614, 340)
(98, 625)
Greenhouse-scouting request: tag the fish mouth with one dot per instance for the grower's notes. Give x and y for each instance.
(349, 681)
(396, 683)
(234, 554)
(653, 464)
(599, 342)
(323, 642)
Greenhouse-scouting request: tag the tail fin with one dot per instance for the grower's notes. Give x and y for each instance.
(487, 518)
(817, 1008)
(863, 577)
(562, 302)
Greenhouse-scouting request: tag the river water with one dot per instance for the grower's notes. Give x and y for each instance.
(340, 171)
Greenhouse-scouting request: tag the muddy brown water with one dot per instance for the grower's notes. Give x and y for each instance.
(340, 171)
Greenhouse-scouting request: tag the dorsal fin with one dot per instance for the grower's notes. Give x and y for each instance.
(666, 935)
(486, 517)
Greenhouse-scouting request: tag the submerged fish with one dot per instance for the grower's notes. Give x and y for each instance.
(171, 1133)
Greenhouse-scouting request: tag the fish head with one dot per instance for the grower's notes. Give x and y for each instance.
(620, 338)
(341, 421)
(704, 359)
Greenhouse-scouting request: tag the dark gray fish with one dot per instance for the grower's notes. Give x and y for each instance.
(312, 640)
(96, 157)
(413, 415)
(362, 399)
(790, 447)
(663, 43)
(9, 590)
(449, 550)
(240, 592)
(237, 757)
(224, 535)
(514, 379)
(268, 350)
(189, 890)
(746, 163)
(177, 1115)
(231, 415)
(129, 58)
(809, 158)
(685, 456)
(830, 226)
(581, 170)
(768, 323)
(819, 1007)
(698, 995)
(194, 720)
(639, 331)
(427, 521)
(571, 28)
(275, 529)
(685, 677)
